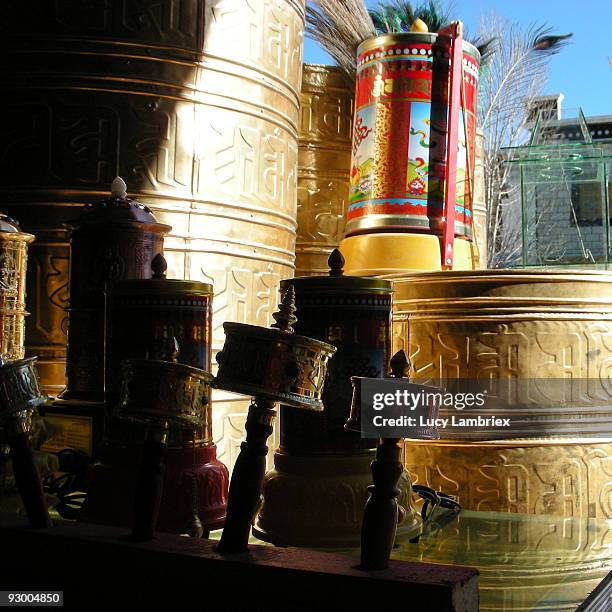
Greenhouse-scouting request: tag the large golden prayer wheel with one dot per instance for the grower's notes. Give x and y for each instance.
(196, 106)
(324, 163)
(507, 325)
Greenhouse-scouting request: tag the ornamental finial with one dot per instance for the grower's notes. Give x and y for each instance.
(335, 262)
(285, 316)
(399, 364)
(159, 265)
(118, 188)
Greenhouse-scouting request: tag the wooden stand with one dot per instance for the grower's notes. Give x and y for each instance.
(28, 481)
(97, 567)
(149, 490)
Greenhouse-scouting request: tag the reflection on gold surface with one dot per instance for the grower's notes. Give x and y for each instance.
(525, 562)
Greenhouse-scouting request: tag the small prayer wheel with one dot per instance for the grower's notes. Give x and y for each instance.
(19, 396)
(114, 239)
(143, 314)
(13, 261)
(270, 365)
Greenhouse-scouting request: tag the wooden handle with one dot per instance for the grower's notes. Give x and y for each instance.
(28, 482)
(247, 479)
(381, 512)
(149, 490)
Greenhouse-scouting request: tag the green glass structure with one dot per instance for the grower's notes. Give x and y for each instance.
(558, 189)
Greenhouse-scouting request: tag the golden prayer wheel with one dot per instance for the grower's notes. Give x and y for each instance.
(197, 107)
(530, 325)
(13, 262)
(324, 163)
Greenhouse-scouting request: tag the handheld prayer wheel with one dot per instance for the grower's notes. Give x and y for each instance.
(271, 365)
(111, 240)
(19, 396)
(381, 514)
(13, 262)
(316, 492)
(143, 314)
(161, 395)
(167, 405)
(400, 160)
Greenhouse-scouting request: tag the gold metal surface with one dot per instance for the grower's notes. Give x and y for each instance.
(513, 324)
(13, 263)
(562, 477)
(324, 163)
(196, 106)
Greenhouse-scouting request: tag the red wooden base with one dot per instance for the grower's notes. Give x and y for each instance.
(110, 497)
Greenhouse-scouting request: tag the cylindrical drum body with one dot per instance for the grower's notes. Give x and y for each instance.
(113, 240)
(399, 163)
(143, 316)
(13, 263)
(537, 327)
(353, 314)
(196, 106)
(324, 163)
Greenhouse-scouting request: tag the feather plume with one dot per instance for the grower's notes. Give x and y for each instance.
(339, 26)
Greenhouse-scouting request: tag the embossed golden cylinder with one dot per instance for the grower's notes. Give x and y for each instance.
(13, 262)
(558, 477)
(324, 164)
(516, 324)
(196, 106)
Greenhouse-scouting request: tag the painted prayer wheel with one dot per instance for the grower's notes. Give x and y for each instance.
(316, 493)
(398, 169)
(324, 163)
(144, 315)
(173, 398)
(13, 263)
(196, 107)
(527, 325)
(111, 240)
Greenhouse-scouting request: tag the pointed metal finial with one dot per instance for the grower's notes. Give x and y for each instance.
(118, 188)
(335, 261)
(285, 316)
(174, 350)
(159, 265)
(399, 364)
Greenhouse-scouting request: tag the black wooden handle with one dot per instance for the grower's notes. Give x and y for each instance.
(149, 490)
(247, 479)
(381, 512)
(28, 481)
